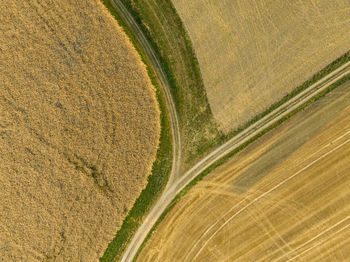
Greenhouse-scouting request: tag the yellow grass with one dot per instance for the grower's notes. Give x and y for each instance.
(285, 197)
(251, 53)
(79, 129)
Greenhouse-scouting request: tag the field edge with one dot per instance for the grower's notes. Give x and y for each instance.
(192, 148)
(317, 76)
(161, 168)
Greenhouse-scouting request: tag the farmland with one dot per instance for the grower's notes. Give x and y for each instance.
(252, 53)
(82, 135)
(284, 197)
(79, 129)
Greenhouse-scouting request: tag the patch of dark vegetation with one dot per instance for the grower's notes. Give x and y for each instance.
(91, 171)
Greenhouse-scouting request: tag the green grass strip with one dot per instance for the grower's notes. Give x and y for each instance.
(165, 16)
(160, 170)
(158, 19)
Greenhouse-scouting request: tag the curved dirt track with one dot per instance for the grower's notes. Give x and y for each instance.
(253, 52)
(162, 79)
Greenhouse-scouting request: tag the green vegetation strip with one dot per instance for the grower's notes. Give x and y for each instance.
(228, 156)
(160, 170)
(166, 33)
(163, 28)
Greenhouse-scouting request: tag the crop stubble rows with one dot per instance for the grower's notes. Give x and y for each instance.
(158, 19)
(250, 209)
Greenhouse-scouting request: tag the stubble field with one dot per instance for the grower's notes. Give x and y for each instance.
(285, 197)
(79, 129)
(252, 53)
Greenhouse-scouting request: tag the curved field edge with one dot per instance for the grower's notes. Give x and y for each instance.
(160, 170)
(164, 30)
(228, 156)
(222, 139)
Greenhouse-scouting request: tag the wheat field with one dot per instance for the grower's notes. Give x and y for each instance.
(252, 53)
(284, 198)
(79, 129)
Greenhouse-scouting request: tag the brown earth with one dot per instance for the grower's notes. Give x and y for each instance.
(79, 129)
(285, 197)
(251, 53)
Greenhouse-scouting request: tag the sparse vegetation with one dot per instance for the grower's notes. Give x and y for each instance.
(79, 129)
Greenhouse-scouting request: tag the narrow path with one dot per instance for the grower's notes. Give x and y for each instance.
(162, 79)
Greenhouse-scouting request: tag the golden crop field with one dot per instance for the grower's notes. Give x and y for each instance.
(252, 53)
(284, 198)
(79, 129)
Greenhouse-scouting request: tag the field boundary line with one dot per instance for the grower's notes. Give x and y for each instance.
(161, 167)
(267, 192)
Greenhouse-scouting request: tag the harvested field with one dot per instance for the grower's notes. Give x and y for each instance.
(79, 129)
(252, 53)
(285, 197)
